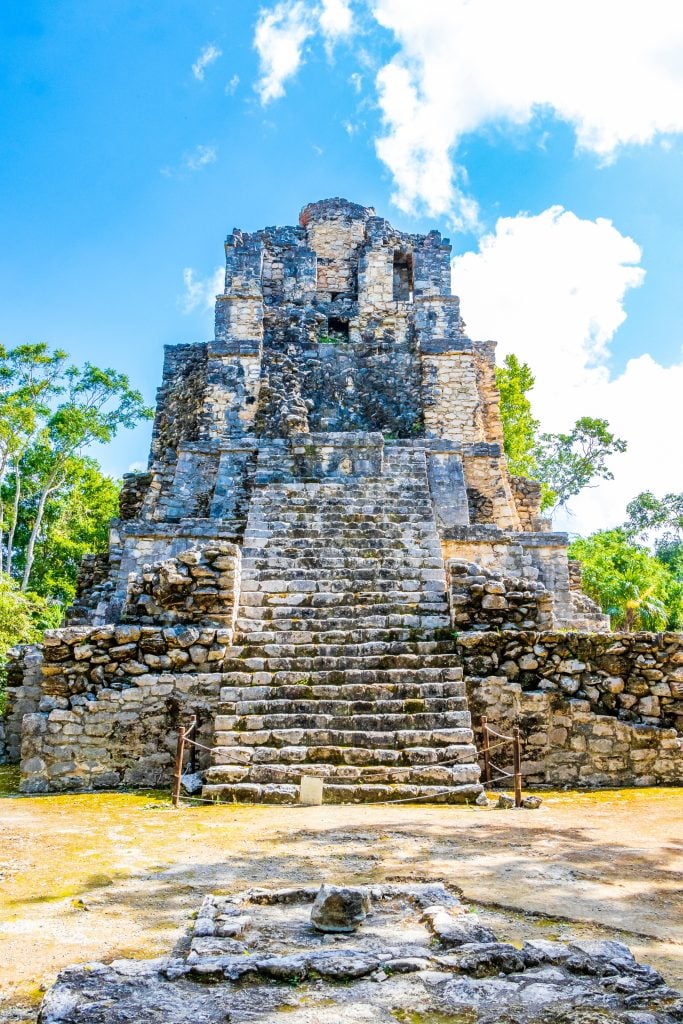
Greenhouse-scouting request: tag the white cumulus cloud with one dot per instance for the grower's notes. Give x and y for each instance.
(279, 40)
(200, 157)
(551, 288)
(208, 55)
(200, 293)
(612, 69)
(335, 18)
(282, 32)
(231, 87)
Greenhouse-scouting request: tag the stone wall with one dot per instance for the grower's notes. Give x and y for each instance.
(488, 488)
(24, 691)
(534, 556)
(104, 707)
(200, 585)
(483, 599)
(594, 709)
(111, 701)
(179, 399)
(527, 495)
(92, 583)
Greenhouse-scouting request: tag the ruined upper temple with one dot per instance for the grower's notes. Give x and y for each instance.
(338, 343)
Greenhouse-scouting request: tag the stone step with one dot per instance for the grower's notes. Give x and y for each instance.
(342, 676)
(389, 668)
(335, 793)
(374, 499)
(337, 707)
(350, 692)
(338, 567)
(341, 514)
(425, 775)
(329, 528)
(338, 512)
(412, 653)
(362, 634)
(340, 520)
(464, 753)
(350, 610)
(323, 739)
(428, 591)
(351, 722)
(343, 626)
(255, 541)
(413, 590)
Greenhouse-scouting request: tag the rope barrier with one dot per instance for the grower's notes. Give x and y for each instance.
(492, 732)
(201, 746)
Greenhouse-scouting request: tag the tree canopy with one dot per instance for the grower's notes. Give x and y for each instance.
(564, 464)
(55, 503)
(51, 412)
(629, 583)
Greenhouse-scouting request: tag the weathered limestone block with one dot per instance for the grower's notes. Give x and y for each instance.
(339, 909)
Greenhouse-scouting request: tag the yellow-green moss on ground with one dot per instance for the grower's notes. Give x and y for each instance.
(98, 876)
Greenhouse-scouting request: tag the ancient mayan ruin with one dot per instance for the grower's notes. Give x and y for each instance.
(329, 565)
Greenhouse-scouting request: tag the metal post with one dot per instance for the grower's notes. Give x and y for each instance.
(177, 774)
(517, 765)
(485, 749)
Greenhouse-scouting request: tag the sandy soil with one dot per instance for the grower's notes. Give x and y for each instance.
(103, 876)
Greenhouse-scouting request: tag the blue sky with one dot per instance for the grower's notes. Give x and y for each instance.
(135, 136)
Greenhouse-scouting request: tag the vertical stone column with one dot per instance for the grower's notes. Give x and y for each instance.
(485, 364)
(234, 365)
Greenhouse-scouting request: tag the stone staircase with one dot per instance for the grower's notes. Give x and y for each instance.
(338, 670)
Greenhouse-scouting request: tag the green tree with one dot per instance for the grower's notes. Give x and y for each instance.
(520, 429)
(563, 463)
(75, 523)
(567, 463)
(96, 404)
(29, 381)
(648, 514)
(660, 521)
(628, 582)
(23, 618)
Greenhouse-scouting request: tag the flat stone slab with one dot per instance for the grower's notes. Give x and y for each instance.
(415, 958)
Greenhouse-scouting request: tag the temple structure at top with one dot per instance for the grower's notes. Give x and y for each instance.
(336, 342)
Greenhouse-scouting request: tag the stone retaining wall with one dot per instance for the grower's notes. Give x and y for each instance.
(24, 691)
(594, 709)
(198, 585)
(483, 599)
(123, 737)
(101, 706)
(111, 703)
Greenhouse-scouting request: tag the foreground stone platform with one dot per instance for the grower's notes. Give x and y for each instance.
(418, 956)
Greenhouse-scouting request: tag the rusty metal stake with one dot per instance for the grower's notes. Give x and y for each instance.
(485, 749)
(178, 772)
(517, 765)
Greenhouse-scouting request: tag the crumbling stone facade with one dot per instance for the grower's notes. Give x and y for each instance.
(326, 502)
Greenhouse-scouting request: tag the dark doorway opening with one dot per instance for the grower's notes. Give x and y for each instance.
(403, 277)
(338, 328)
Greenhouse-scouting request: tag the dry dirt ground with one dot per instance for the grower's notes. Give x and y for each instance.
(103, 876)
